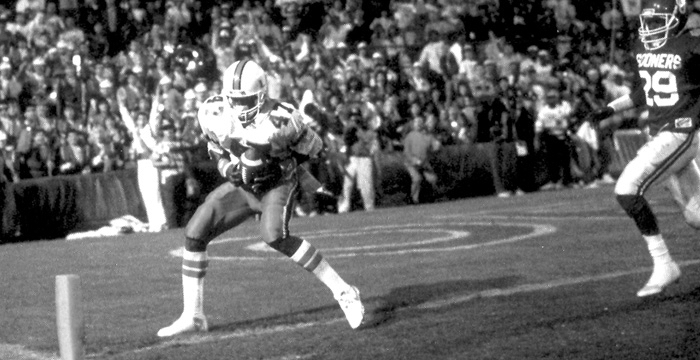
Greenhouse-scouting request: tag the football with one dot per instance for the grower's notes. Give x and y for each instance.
(253, 164)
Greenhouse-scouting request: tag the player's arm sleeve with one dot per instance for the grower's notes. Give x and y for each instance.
(624, 102)
(302, 141)
(224, 161)
(209, 113)
(306, 142)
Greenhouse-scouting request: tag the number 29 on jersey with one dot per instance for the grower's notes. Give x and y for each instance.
(661, 87)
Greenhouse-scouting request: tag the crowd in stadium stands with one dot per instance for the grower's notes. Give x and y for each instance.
(481, 71)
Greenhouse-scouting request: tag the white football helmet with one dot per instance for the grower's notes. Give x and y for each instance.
(659, 20)
(245, 88)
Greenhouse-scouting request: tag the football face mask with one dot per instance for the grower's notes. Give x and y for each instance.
(659, 20)
(245, 106)
(245, 86)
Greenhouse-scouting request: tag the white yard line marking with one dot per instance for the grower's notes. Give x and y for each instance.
(537, 231)
(243, 333)
(419, 246)
(525, 288)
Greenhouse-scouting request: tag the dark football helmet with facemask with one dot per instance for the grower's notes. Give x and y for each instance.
(660, 20)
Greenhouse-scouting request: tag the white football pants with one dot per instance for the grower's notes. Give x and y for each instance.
(668, 158)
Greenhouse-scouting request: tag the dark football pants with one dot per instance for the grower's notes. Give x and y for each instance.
(227, 206)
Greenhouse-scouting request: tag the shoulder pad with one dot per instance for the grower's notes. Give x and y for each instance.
(214, 99)
(213, 106)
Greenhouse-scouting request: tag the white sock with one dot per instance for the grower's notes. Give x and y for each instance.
(330, 277)
(308, 257)
(658, 250)
(194, 267)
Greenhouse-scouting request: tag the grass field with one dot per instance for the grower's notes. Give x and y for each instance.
(549, 275)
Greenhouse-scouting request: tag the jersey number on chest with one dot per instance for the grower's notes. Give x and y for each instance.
(661, 87)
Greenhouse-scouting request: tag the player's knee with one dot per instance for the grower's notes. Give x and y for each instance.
(287, 246)
(630, 203)
(622, 188)
(691, 213)
(270, 234)
(198, 229)
(692, 218)
(195, 245)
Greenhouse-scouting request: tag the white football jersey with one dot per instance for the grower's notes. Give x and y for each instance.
(277, 125)
(554, 119)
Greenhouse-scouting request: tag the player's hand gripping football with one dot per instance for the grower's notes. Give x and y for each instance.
(233, 174)
(267, 180)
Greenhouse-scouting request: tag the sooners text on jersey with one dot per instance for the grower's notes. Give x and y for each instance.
(669, 78)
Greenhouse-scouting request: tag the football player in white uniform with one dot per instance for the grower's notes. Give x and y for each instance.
(243, 117)
(668, 64)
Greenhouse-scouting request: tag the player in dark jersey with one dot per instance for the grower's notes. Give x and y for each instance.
(241, 118)
(668, 63)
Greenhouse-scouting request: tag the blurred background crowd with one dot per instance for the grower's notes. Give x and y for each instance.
(516, 77)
